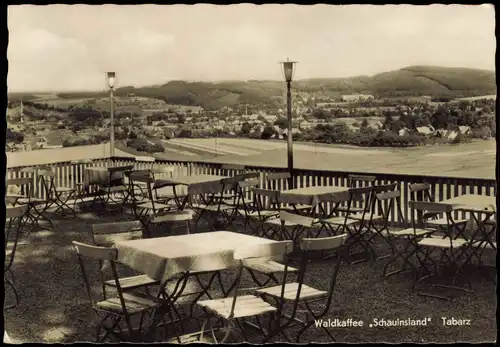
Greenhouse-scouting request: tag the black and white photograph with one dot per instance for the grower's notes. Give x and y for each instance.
(242, 173)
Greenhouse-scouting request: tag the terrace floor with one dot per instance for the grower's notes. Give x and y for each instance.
(54, 306)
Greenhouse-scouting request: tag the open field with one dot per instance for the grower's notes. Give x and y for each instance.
(476, 159)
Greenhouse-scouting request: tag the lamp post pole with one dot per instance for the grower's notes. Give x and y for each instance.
(289, 134)
(111, 83)
(112, 112)
(288, 74)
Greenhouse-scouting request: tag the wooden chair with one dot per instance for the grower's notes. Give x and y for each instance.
(116, 191)
(38, 206)
(410, 237)
(422, 192)
(106, 235)
(15, 221)
(149, 211)
(78, 177)
(265, 210)
(232, 169)
(358, 181)
(211, 204)
(237, 307)
(110, 311)
(56, 195)
(301, 296)
(24, 196)
(451, 247)
(166, 172)
(276, 181)
(388, 202)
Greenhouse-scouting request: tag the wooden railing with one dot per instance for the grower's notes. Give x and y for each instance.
(442, 188)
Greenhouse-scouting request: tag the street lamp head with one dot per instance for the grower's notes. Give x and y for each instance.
(111, 79)
(288, 69)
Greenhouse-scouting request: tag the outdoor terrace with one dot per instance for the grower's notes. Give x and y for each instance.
(54, 307)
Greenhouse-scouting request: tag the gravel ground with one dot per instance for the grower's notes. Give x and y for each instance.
(54, 306)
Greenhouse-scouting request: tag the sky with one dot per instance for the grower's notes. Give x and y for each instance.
(70, 47)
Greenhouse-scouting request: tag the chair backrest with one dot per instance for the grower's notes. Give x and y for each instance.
(265, 199)
(359, 180)
(277, 180)
(107, 234)
(387, 201)
(277, 176)
(47, 178)
(236, 168)
(420, 192)
(106, 257)
(159, 170)
(419, 208)
(297, 219)
(269, 251)
(313, 249)
(24, 184)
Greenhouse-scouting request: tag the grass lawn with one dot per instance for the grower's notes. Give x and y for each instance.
(54, 306)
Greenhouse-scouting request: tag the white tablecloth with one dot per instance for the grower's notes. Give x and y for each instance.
(163, 257)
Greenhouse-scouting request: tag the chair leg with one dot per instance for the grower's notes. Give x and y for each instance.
(15, 293)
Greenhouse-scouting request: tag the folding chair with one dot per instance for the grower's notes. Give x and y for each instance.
(78, 177)
(106, 235)
(247, 202)
(111, 311)
(234, 309)
(38, 206)
(356, 226)
(159, 173)
(276, 181)
(116, 187)
(270, 269)
(422, 192)
(451, 248)
(265, 210)
(387, 202)
(15, 221)
(56, 195)
(24, 197)
(146, 210)
(410, 237)
(482, 234)
(239, 189)
(303, 298)
(211, 203)
(232, 169)
(358, 181)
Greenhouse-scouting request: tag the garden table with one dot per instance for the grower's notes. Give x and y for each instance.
(164, 257)
(482, 210)
(473, 202)
(315, 196)
(197, 184)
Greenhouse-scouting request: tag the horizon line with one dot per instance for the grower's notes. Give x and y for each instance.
(96, 90)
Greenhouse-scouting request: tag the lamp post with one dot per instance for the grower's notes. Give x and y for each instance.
(288, 72)
(111, 83)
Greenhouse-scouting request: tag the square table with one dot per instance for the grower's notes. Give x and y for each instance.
(163, 257)
(473, 202)
(314, 196)
(196, 184)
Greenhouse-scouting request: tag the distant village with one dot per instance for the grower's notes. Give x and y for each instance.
(52, 123)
